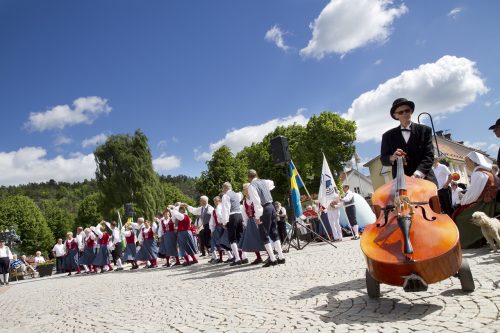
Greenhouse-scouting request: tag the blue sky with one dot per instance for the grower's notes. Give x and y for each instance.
(194, 75)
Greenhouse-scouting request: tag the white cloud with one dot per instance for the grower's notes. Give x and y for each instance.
(378, 62)
(275, 35)
(455, 12)
(166, 163)
(345, 25)
(237, 139)
(175, 139)
(62, 140)
(478, 145)
(29, 164)
(95, 140)
(84, 111)
(446, 86)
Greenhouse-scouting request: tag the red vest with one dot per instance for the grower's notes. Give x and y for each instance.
(90, 242)
(249, 209)
(149, 235)
(130, 239)
(104, 240)
(164, 226)
(215, 218)
(71, 245)
(184, 224)
(171, 226)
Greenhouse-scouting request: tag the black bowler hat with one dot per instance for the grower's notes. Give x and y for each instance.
(399, 102)
(492, 127)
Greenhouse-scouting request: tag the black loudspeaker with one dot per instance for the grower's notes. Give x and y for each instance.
(279, 150)
(129, 211)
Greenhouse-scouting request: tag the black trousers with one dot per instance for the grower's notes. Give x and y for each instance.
(117, 252)
(268, 228)
(4, 265)
(207, 236)
(444, 195)
(351, 215)
(60, 264)
(234, 228)
(281, 230)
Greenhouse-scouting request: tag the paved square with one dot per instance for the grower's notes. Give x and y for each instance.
(319, 289)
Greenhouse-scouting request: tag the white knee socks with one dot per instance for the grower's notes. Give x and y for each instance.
(243, 255)
(119, 263)
(277, 247)
(355, 230)
(269, 250)
(236, 255)
(229, 254)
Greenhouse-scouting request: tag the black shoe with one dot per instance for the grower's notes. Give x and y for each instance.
(281, 261)
(219, 261)
(229, 260)
(176, 264)
(119, 269)
(69, 274)
(236, 263)
(270, 263)
(256, 262)
(186, 263)
(244, 261)
(166, 265)
(202, 255)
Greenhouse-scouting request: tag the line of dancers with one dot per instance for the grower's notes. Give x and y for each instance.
(237, 223)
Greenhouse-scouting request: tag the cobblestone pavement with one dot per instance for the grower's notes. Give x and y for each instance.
(319, 289)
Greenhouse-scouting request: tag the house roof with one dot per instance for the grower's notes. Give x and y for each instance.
(449, 148)
(344, 175)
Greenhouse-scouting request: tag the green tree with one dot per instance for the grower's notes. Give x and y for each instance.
(173, 194)
(90, 211)
(125, 174)
(59, 220)
(22, 213)
(223, 167)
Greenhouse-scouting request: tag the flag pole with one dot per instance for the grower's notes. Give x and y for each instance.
(312, 201)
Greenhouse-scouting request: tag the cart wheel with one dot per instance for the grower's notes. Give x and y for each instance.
(372, 286)
(465, 277)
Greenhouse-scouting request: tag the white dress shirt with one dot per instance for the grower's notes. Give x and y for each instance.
(59, 249)
(255, 198)
(80, 240)
(5, 252)
(478, 181)
(39, 260)
(226, 207)
(442, 173)
(348, 197)
(198, 212)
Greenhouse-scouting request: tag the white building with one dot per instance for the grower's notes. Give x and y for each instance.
(357, 182)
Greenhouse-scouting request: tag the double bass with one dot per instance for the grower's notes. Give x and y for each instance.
(411, 245)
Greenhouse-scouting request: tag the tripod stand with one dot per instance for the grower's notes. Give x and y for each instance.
(293, 238)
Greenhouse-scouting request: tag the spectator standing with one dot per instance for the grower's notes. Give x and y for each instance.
(281, 220)
(456, 194)
(59, 250)
(5, 257)
(443, 176)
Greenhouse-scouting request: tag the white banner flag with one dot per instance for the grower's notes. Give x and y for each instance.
(327, 187)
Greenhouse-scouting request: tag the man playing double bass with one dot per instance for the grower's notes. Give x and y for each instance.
(411, 140)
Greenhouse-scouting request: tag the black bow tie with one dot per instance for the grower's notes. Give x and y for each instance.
(405, 130)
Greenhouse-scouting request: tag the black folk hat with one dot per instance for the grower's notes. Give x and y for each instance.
(492, 127)
(401, 101)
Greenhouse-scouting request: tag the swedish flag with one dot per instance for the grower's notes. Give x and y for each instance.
(295, 184)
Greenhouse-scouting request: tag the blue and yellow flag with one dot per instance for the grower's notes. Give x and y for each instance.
(295, 184)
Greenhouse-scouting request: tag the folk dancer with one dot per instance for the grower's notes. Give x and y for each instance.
(219, 240)
(265, 216)
(149, 249)
(250, 240)
(443, 177)
(80, 241)
(102, 256)
(168, 236)
(233, 220)
(116, 245)
(130, 248)
(184, 235)
(71, 256)
(350, 210)
(204, 213)
(88, 251)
